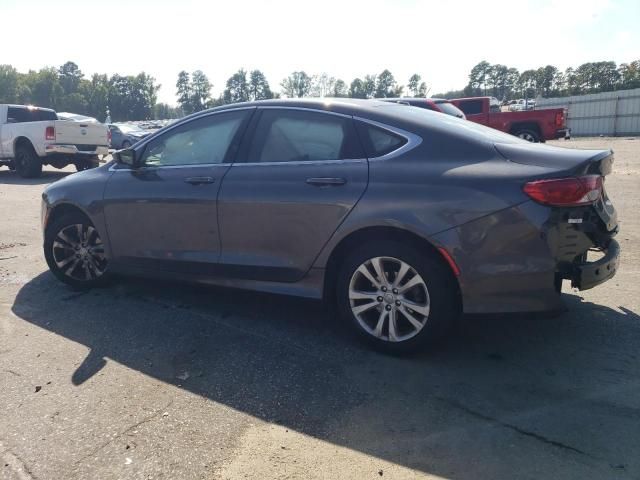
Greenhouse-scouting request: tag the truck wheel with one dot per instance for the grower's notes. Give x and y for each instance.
(87, 163)
(528, 135)
(27, 163)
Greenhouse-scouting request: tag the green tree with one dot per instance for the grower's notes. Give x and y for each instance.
(414, 84)
(423, 90)
(356, 89)
(297, 85)
(184, 93)
(9, 79)
(340, 89)
(45, 89)
(201, 91)
(70, 76)
(369, 86)
(386, 85)
(478, 78)
(323, 85)
(237, 89)
(259, 86)
(629, 74)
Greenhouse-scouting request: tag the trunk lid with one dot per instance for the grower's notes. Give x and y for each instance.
(567, 162)
(81, 133)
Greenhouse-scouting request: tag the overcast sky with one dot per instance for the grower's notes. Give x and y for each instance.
(440, 40)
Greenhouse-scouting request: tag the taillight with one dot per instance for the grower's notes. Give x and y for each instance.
(565, 192)
(109, 136)
(50, 133)
(560, 119)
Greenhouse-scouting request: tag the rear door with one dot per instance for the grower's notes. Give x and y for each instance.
(302, 172)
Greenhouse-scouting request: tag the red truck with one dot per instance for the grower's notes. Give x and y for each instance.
(531, 125)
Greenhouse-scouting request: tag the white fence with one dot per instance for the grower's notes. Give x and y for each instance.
(607, 113)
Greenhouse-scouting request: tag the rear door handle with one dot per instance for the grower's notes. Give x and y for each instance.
(199, 180)
(326, 181)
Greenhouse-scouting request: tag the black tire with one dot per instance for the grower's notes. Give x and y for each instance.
(441, 298)
(57, 251)
(87, 163)
(27, 163)
(126, 144)
(528, 134)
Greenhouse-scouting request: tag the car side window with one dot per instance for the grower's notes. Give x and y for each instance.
(471, 107)
(294, 135)
(201, 141)
(378, 141)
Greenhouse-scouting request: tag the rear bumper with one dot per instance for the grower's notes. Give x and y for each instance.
(563, 133)
(590, 274)
(73, 150)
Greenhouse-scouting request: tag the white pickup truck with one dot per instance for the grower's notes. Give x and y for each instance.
(31, 137)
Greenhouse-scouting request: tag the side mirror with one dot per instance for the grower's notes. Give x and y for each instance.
(127, 157)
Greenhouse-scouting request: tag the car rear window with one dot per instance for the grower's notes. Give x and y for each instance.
(450, 109)
(22, 115)
(378, 141)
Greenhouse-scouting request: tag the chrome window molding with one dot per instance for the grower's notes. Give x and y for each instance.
(413, 140)
(301, 162)
(113, 168)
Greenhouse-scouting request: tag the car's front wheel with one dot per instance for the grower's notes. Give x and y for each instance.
(396, 297)
(74, 251)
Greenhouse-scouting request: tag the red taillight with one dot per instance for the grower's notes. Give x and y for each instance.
(109, 136)
(560, 119)
(50, 133)
(566, 192)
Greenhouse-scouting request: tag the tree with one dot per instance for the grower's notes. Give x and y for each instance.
(70, 76)
(258, 86)
(323, 85)
(527, 83)
(369, 86)
(237, 88)
(9, 79)
(183, 86)
(629, 74)
(386, 85)
(296, 85)
(340, 89)
(414, 84)
(356, 89)
(44, 87)
(200, 91)
(478, 78)
(423, 90)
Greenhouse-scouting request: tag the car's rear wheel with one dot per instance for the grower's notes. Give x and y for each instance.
(26, 162)
(395, 297)
(74, 251)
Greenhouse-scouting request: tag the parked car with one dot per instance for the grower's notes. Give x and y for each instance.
(123, 135)
(402, 216)
(441, 105)
(75, 117)
(533, 126)
(31, 137)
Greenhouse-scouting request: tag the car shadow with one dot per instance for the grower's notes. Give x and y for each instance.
(9, 177)
(481, 405)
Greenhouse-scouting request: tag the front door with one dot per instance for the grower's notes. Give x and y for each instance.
(164, 214)
(302, 171)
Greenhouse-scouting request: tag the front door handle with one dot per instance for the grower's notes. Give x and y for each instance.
(326, 181)
(199, 180)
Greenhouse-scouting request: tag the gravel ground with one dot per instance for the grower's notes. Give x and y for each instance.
(156, 380)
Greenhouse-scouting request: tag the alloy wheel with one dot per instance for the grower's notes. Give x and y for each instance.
(389, 299)
(78, 252)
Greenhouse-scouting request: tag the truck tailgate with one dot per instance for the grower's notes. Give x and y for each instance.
(78, 133)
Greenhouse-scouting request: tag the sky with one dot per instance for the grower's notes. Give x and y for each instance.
(440, 40)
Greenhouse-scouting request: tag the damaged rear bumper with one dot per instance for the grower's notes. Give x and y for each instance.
(587, 275)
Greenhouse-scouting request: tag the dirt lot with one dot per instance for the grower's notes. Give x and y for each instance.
(156, 380)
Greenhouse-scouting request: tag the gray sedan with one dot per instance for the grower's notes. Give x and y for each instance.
(123, 135)
(401, 216)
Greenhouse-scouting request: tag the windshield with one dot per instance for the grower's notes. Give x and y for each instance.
(450, 109)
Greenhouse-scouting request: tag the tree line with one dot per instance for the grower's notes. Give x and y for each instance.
(507, 83)
(134, 97)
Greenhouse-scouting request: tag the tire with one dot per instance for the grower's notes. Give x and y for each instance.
(27, 163)
(423, 313)
(75, 253)
(87, 163)
(126, 144)
(528, 135)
